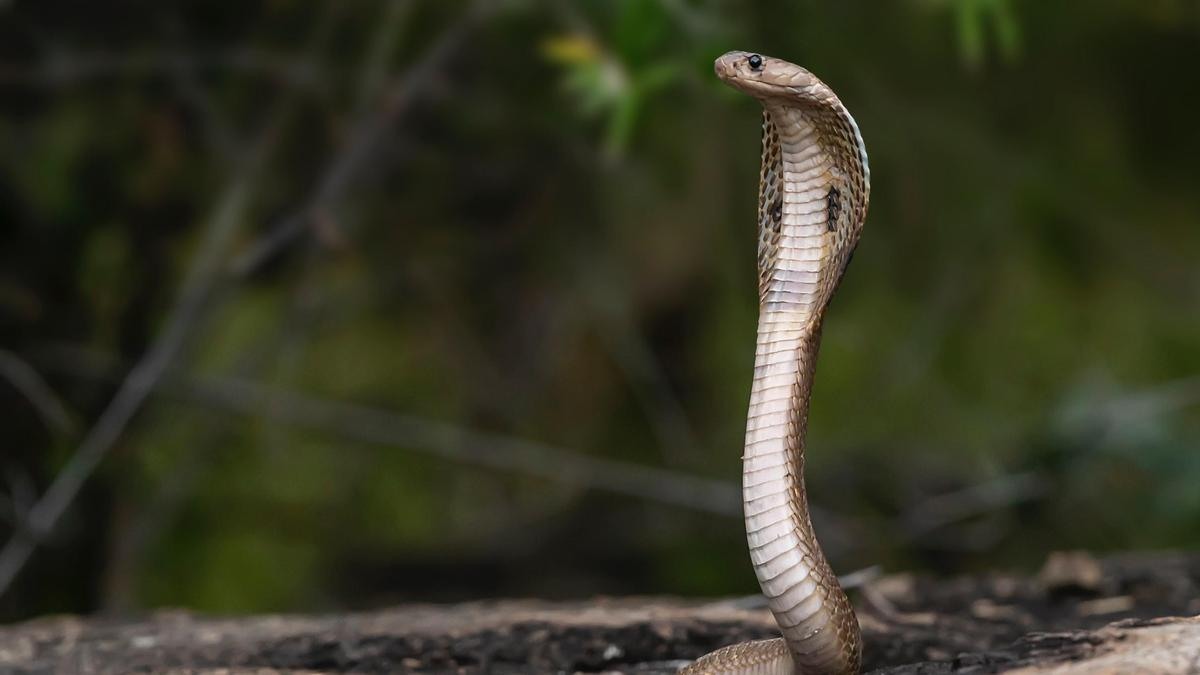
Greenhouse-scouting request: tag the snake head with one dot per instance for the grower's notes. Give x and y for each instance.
(765, 77)
(815, 182)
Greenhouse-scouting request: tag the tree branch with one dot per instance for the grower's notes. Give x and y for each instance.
(368, 134)
(203, 275)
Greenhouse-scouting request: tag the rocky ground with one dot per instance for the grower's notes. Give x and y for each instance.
(1122, 614)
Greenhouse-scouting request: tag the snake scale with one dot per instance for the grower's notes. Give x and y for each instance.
(812, 201)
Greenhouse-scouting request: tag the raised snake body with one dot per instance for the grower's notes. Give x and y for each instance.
(812, 201)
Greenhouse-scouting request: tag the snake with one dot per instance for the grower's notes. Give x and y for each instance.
(814, 188)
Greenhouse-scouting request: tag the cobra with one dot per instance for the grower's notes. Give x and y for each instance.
(812, 200)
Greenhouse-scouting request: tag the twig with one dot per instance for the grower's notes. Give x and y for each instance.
(64, 68)
(373, 425)
(370, 130)
(204, 272)
(973, 500)
(860, 577)
(45, 402)
(644, 371)
(374, 70)
(20, 498)
(137, 386)
(146, 525)
(382, 427)
(876, 600)
(218, 134)
(493, 450)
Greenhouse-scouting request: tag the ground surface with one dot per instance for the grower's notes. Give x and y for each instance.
(1117, 615)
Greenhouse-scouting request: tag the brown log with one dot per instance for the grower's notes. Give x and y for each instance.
(1079, 615)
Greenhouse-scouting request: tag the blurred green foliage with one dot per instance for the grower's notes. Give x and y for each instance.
(552, 240)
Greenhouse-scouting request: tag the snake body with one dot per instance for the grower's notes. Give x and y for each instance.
(813, 195)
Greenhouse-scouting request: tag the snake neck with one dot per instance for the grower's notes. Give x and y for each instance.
(796, 278)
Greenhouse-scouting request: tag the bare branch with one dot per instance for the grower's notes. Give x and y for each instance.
(382, 427)
(45, 402)
(203, 275)
(65, 68)
(632, 353)
(974, 500)
(374, 70)
(19, 499)
(369, 131)
(144, 376)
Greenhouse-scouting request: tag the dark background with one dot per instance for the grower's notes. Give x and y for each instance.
(436, 301)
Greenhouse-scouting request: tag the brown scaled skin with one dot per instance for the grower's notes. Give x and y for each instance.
(813, 194)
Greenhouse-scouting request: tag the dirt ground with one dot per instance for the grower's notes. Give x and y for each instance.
(1079, 615)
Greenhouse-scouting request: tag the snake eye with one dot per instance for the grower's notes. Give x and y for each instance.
(755, 61)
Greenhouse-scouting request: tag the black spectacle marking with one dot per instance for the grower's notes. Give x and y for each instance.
(755, 61)
(833, 208)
